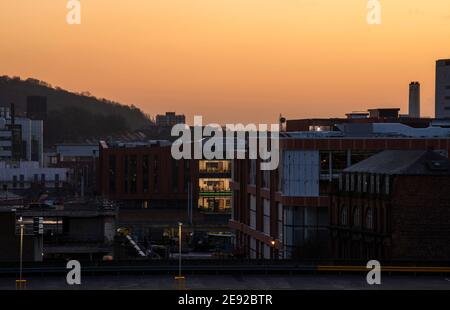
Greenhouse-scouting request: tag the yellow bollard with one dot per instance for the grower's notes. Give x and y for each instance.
(181, 283)
(21, 284)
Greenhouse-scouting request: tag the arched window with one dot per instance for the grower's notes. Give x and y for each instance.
(344, 215)
(369, 219)
(357, 216)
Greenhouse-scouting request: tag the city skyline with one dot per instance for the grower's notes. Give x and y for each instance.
(301, 59)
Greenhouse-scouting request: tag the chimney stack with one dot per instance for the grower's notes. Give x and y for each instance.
(414, 100)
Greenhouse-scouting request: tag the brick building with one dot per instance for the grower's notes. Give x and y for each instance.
(144, 175)
(156, 192)
(394, 205)
(285, 213)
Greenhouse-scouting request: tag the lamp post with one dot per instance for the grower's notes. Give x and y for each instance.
(272, 243)
(180, 279)
(21, 246)
(180, 225)
(20, 284)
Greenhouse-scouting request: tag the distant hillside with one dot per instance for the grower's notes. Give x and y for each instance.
(72, 117)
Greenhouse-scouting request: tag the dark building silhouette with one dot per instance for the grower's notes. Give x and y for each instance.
(394, 205)
(170, 119)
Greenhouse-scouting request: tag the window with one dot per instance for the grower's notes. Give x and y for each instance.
(252, 172)
(252, 204)
(186, 174)
(369, 219)
(133, 173)
(365, 183)
(325, 162)
(265, 179)
(56, 180)
(339, 161)
(357, 216)
(112, 174)
(145, 177)
(344, 215)
(387, 184)
(125, 169)
(359, 183)
(372, 184)
(14, 181)
(175, 175)
(155, 173)
(22, 181)
(378, 183)
(266, 214)
(352, 182)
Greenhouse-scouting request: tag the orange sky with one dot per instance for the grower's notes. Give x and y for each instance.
(231, 60)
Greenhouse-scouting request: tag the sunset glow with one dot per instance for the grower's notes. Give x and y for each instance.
(231, 60)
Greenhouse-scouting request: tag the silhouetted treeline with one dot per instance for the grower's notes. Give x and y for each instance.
(72, 116)
(76, 125)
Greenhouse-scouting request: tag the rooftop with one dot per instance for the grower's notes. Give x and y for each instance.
(418, 162)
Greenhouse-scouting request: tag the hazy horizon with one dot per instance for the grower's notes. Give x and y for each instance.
(229, 60)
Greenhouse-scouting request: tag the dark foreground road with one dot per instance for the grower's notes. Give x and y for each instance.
(236, 282)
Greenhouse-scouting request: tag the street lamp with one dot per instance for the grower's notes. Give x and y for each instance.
(272, 243)
(180, 278)
(20, 283)
(180, 225)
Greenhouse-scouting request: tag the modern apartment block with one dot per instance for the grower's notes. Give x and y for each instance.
(146, 176)
(442, 103)
(214, 184)
(285, 213)
(155, 191)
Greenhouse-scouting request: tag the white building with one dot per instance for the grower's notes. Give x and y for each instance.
(23, 175)
(5, 141)
(442, 104)
(32, 139)
(32, 133)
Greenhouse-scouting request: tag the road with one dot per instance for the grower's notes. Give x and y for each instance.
(236, 282)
